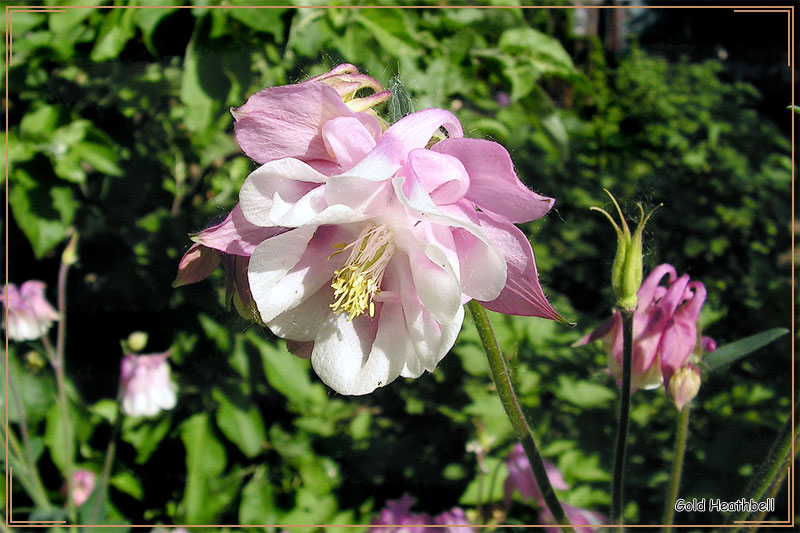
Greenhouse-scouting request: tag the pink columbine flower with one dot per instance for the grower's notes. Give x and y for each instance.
(287, 121)
(520, 477)
(147, 385)
(455, 519)
(398, 513)
(380, 258)
(82, 486)
(28, 314)
(664, 328)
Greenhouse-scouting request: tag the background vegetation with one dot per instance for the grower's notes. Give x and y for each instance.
(119, 128)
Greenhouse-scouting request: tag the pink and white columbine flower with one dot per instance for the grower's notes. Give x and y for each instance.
(378, 259)
(28, 313)
(147, 385)
(664, 329)
(278, 122)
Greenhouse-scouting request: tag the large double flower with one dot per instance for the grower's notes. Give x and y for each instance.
(364, 248)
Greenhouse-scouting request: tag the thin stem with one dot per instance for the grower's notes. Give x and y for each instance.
(774, 467)
(109, 459)
(505, 390)
(31, 481)
(677, 468)
(23, 423)
(624, 414)
(58, 367)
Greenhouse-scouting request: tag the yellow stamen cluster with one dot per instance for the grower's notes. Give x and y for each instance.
(359, 280)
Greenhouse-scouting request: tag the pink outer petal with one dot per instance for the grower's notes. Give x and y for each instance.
(234, 235)
(408, 133)
(522, 294)
(196, 265)
(287, 121)
(680, 335)
(32, 292)
(494, 186)
(443, 177)
(650, 285)
(347, 140)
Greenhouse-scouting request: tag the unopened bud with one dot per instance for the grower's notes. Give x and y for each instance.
(137, 341)
(70, 254)
(684, 385)
(626, 271)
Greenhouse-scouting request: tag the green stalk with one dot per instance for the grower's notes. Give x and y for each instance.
(29, 480)
(108, 462)
(58, 367)
(624, 414)
(775, 466)
(505, 389)
(677, 468)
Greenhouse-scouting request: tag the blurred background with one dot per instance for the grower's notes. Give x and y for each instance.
(119, 127)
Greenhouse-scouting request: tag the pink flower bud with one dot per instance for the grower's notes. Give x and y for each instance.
(82, 486)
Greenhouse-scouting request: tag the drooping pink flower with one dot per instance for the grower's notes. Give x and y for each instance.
(520, 477)
(148, 387)
(664, 328)
(398, 513)
(82, 486)
(28, 313)
(380, 258)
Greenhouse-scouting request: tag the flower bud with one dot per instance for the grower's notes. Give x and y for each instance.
(70, 254)
(626, 271)
(137, 341)
(684, 385)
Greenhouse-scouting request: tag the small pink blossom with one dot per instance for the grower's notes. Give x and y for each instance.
(398, 513)
(147, 385)
(455, 519)
(520, 477)
(664, 328)
(28, 313)
(82, 486)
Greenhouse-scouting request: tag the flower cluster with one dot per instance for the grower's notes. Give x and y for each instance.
(360, 242)
(664, 335)
(521, 480)
(28, 313)
(398, 513)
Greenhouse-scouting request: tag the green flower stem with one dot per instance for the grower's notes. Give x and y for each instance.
(775, 466)
(505, 390)
(677, 468)
(58, 367)
(624, 414)
(28, 476)
(108, 462)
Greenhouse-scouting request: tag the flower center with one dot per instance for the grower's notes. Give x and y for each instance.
(359, 280)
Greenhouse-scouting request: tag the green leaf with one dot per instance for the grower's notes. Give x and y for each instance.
(258, 500)
(144, 435)
(148, 20)
(54, 436)
(285, 372)
(34, 391)
(67, 19)
(267, 20)
(586, 394)
(486, 487)
(205, 462)
(725, 355)
(115, 32)
(102, 158)
(126, 482)
(40, 122)
(42, 212)
(243, 427)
